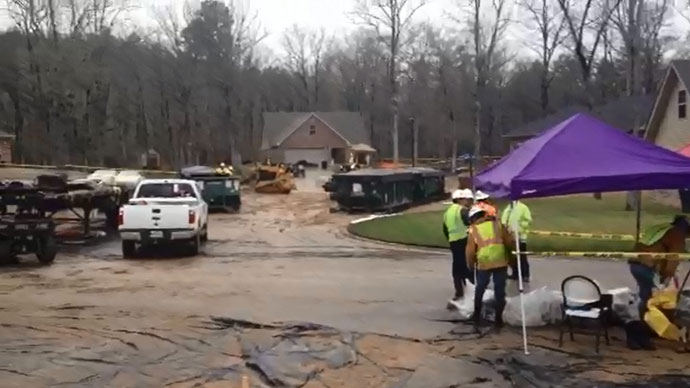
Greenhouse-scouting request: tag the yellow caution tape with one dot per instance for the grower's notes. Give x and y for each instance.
(594, 236)
(616, 255)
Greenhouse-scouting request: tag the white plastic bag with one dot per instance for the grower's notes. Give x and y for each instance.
(465, 306)
(626, 304)
(542, 307)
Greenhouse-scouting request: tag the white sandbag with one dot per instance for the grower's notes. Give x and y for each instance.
(626, 304)
(465, 306)
(542, 307)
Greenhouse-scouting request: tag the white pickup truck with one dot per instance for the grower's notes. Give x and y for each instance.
(163, 211)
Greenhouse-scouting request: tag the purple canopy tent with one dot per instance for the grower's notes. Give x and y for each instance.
(582, 155)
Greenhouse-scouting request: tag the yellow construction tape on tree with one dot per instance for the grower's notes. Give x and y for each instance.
(615, 255)
(593, 236)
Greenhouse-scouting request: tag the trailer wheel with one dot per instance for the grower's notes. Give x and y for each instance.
(46, 249)
(129, 249)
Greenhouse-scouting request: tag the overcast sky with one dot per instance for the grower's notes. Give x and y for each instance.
(278, 15)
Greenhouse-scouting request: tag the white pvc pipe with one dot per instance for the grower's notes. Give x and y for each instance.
(519, 266)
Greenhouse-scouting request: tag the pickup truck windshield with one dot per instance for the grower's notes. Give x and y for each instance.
(166, 190)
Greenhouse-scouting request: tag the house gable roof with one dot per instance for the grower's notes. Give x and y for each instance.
(626, 113)
(278, 126)
(678, 71)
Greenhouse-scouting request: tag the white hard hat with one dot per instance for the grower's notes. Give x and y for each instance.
(475, 210)
(462, 194)
(480, 195)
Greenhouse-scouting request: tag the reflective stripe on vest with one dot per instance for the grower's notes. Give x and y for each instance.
(490, 248)
(453, 221)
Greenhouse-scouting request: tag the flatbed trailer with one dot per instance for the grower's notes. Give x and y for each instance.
(61, 202)
(24, 226)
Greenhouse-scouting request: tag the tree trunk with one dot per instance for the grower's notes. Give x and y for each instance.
(477, 130)
(18, 126)
(544, 96)
(393, 72)
(454, 147)
(396, 113)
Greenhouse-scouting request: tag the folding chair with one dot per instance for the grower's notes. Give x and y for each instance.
(583, 300)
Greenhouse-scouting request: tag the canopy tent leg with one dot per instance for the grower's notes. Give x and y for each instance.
(638, 211)
(520, 286)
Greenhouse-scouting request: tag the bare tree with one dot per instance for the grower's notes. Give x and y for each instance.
(546, 19)
(52, 17)
(317, 45)
(587, 22)
(305, 50)
(639, 25)
(486, 36)
(392, 16)
(295, 41)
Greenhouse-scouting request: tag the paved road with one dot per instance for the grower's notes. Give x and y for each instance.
(94, 319)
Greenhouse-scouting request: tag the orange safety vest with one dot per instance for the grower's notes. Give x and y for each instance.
(491, 250)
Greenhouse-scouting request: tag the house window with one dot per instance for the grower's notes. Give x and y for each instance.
(312, 129)
(682, 104)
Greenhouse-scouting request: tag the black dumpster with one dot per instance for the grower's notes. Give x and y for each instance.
(429, 184)
(373, 190)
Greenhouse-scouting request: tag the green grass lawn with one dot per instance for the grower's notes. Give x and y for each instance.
(580, 213)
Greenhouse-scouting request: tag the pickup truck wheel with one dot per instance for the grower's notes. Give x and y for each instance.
(204, 234)
(129, 249)
(195, 244)
(46, 249)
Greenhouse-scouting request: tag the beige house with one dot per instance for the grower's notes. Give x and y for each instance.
(315, 137)
(669, 124)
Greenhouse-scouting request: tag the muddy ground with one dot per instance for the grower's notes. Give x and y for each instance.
(283, 295)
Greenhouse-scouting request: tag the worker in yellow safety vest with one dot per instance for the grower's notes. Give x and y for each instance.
(517, 213)
(482, 200)
(663, 238)
(222, 169)
(648, 273)
(489, 248)
(455, 222)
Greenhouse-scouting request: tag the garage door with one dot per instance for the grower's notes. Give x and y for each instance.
(311, 155)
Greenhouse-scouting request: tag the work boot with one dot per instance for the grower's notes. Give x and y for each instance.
(633, 345)
(498, 320)
(649, 345)
(477, 315)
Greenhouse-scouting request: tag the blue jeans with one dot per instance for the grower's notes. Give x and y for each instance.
(644, 276)
(500, 275)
